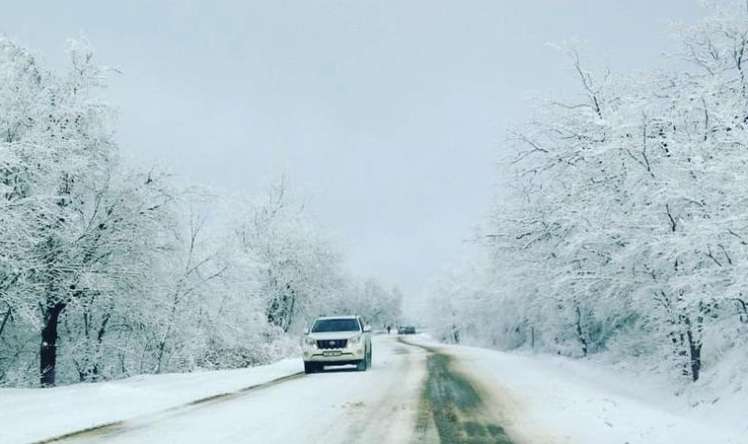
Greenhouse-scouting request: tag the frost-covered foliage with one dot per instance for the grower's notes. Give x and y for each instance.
(626, 228)
(106, 271)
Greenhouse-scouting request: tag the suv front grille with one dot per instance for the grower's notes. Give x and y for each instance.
(332, 343)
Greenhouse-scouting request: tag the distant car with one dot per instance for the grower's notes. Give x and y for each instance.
(337, 340)
(406, 330)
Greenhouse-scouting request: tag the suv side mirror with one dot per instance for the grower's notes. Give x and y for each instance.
(306, 330)
(367, 328)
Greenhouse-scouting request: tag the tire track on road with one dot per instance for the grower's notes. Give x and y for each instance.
(454, 406)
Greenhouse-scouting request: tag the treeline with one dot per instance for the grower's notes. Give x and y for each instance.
(625, 226)
(107, 271)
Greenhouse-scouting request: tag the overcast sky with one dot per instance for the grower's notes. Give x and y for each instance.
(389, 114)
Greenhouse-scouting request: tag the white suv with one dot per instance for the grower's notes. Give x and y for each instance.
(337, 340)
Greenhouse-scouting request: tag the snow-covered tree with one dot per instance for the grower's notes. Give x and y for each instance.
(107, 271)
(627, 215)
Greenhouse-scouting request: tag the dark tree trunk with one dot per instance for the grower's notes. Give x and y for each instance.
(48, 348)
(693, 335)
(532, 338)
(99, 342)
(5, 320)
(161, 349)
(694, 350)
(88, 370)
(291, 308)
(580, 333)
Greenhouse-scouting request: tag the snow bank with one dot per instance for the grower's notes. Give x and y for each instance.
(67, 409)
(551, 399)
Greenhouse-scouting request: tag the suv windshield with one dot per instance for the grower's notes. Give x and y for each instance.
(326, 325)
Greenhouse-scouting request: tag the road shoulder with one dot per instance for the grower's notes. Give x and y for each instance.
(69, 409)
(543, 404)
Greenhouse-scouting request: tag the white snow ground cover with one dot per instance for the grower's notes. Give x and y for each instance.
(544, 399)
(28, 415)
(378, 406)
(549, 399)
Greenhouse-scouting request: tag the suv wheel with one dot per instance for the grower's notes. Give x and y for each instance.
(361, 365)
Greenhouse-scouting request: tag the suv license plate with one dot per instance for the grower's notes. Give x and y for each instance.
(332, 353)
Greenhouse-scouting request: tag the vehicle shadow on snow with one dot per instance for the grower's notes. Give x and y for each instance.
(453, 406)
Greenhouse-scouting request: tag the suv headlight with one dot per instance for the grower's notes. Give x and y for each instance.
(309, 341)
(355, 340)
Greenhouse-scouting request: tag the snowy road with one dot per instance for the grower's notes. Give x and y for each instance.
(410, 395)
(417, 392)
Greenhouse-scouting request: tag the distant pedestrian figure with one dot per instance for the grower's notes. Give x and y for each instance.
(389, 327)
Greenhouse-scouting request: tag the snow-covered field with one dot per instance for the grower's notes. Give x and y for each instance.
(538, 399)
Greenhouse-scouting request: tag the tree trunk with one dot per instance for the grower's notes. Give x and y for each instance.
(694, 349)
(161, 348)
(532, 338)
(99, 341)
(694, 344)
(48, 348)
(291, 308)
(5, 320)
(580, 333)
